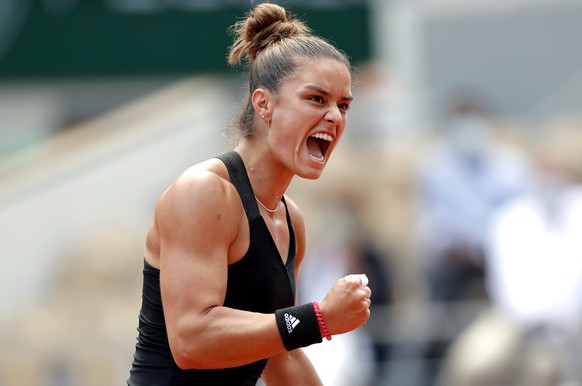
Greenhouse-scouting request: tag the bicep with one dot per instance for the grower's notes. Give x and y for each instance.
(195, 234)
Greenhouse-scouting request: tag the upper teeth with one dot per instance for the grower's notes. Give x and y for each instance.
(324, 136)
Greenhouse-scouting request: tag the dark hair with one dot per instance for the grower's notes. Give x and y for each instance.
(271, 40)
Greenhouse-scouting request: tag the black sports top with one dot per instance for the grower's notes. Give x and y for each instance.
(259, 282)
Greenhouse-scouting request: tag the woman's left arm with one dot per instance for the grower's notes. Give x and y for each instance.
(291, 368)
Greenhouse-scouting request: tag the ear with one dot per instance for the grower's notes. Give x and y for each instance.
(261, 100)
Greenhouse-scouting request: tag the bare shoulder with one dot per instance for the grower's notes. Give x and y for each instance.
(202, 196)
(204, 181)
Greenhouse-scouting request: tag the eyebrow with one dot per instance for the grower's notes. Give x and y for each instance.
(325, 92)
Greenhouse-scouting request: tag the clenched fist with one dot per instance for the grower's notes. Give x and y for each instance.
(346, 305)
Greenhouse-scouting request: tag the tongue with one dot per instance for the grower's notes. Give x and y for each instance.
(314, 149)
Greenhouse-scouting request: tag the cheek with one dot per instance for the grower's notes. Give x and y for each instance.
(289, 135)
(294, 125)
(341, 129)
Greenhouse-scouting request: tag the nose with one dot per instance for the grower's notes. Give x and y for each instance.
(333, 115)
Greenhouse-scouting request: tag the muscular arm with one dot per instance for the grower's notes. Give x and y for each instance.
(198, 221)
(201, 228)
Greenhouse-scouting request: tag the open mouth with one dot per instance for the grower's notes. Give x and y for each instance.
(318, 145)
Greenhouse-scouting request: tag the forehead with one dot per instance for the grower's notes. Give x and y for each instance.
(326, 73)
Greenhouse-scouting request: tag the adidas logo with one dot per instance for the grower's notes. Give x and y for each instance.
(291, 322)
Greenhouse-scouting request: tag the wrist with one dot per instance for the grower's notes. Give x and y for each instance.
(298, 326)
(321, 322)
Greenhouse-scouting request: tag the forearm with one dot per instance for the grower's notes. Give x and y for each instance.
(224, 337)
(290, 369)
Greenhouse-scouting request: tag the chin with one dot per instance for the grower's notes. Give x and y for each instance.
(310, 168)
(311, 174)
(312, 177)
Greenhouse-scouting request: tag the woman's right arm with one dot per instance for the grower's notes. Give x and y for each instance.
(201, 226)
(198, 221)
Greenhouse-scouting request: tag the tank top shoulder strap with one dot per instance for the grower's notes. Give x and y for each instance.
(240, 179)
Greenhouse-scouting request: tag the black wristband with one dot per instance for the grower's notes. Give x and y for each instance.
(298, 326)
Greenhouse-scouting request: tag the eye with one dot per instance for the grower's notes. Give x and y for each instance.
(316, 98)
(344, 106)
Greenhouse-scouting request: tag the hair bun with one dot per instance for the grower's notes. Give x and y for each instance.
(275, 33)
(265, 24)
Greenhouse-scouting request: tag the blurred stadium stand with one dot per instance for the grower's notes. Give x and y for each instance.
(104, 102)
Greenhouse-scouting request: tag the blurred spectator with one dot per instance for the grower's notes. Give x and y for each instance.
(532, 336)
(462, 179)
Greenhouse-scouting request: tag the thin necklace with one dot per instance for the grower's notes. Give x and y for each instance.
(278, 198)
(265, 207)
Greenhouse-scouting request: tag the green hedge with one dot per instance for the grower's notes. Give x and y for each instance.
(90, 38)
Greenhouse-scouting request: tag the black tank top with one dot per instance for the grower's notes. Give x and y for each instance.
(259, 282)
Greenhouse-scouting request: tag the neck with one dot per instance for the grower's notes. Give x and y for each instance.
(268, 183)
(272, 200)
